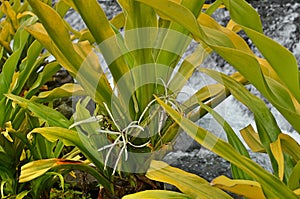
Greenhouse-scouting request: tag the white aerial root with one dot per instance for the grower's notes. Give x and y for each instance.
(122, 140)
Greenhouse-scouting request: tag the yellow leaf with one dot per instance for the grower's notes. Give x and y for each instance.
(297, 191)
(207, 21)
(6, 135)
(268, 70)
(188, 183)
(278, 155)
(68, 89)
(38, 31)
(290, 146)
(154, 194)
(206, 6)
(35, 169)
(118, 21)
(231, 25)
(246, 188)
(24, 14)
(252, 139)
(23, 155)
(5, 132)
(11, 14)
(85, 50)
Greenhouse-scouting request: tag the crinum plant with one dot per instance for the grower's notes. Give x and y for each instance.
(142, 47)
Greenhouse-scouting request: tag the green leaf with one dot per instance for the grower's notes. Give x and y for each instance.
(53, 117)
(268, 129)
(60, 36)
(69, 138)
(294, 180)
(232, 139)
(38, 31)
(103, 34)
(10, 65)
(203, 95)
(29, 66)
(244, 61)
(188, 66)
(244, 14)
(187, 18)
(48, 71)
(86, 75)
(89, 130)
(140, 34)
(23, 194)
(285, 65)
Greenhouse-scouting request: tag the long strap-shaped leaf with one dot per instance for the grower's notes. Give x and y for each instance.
(111, 48)
(72, 138)
(172, 46)
(285, 65)
(140, 32)
(232, 139)
(188, 183)
(266, 124)
(246, 63)
(272, 186)
(57, 41)
(60, 36)
(37, 168)
(99, 26)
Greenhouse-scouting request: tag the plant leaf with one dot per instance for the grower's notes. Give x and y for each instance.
(60, 36)
(153, 194)
(285, 65)
(35, 169)
(294, 180)
(271, 185)
(268, 129)
(72, 138)
(246, 188)
(188, 183)
(243, 13)
(252, 139)
(289, 146)
(278, 155)
(53, 117)
(232, 139)
(66, 90)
